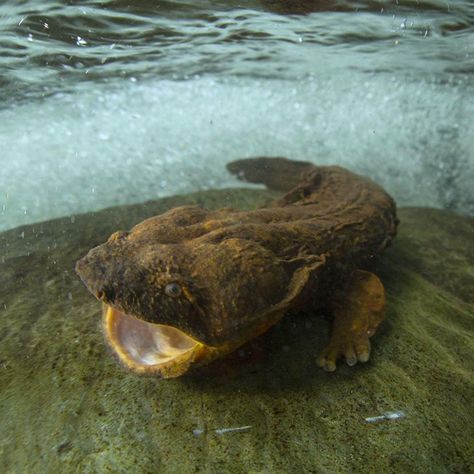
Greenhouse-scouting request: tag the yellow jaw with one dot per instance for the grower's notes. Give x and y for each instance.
(152, 349)
(161, 350)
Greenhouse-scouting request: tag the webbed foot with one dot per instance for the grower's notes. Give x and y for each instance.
(354, 349)
(358, 310)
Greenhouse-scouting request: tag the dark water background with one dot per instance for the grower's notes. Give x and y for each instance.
(112, 102)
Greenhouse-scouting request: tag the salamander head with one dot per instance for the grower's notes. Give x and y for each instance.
(169, 306)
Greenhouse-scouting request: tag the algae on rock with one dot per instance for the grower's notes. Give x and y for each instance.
(66, 405)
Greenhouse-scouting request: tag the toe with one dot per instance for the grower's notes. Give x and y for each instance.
(350, 355)
(327, 360)
(330, 366)
(362, 349)
(320, 360)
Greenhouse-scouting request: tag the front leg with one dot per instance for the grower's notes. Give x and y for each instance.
(358, 310)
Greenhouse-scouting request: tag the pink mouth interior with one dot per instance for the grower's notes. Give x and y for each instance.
(145, 344)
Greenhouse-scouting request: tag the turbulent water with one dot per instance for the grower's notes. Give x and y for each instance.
(110, 102)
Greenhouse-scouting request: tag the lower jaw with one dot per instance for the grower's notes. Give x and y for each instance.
(172, 366)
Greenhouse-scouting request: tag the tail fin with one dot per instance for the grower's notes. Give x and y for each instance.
(279, 174)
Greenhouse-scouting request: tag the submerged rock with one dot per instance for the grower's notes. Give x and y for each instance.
(67, 406)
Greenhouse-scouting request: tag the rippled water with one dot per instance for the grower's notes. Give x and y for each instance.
(48, 46)
(108, 102)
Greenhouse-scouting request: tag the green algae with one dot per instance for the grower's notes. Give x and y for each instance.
(67, 406)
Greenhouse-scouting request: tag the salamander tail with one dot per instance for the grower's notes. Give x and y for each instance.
(279, 174)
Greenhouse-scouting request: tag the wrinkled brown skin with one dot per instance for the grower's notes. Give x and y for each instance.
(240, 271)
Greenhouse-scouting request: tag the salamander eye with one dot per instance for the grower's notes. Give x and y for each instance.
(173, 290)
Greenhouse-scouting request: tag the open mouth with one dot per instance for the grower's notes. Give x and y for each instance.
(148, 348)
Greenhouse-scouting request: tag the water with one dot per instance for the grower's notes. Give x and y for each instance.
(105, 103)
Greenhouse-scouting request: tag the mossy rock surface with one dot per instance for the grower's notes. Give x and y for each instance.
(67, 406)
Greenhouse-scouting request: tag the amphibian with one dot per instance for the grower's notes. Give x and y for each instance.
(190, 285)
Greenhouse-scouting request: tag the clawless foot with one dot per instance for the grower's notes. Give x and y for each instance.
(358, 310)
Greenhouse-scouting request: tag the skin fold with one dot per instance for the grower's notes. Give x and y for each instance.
(221, 278)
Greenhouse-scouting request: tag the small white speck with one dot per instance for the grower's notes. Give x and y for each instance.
(389, 415)
(30, 37)
(221, 431)
(80, 41)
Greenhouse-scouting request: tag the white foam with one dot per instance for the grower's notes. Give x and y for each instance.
(106, 145)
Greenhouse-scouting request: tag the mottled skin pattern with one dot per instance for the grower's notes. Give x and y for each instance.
(240, 271)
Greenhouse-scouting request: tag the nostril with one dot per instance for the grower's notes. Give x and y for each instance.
(95, 272)
(104, 296)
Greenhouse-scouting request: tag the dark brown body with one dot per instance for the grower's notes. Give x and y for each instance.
(241, 271)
